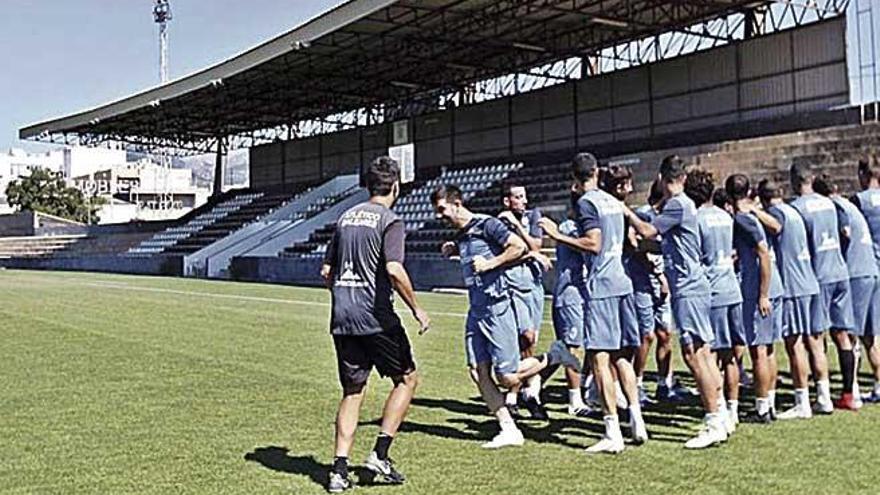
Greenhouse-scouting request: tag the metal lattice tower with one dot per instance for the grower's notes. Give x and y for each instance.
(162, 14)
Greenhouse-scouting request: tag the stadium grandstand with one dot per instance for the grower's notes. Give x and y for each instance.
(471, 92)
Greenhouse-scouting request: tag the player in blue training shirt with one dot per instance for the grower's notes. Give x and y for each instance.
(644, 265)
(526, 287)
(486, 246)
(762, 292)
(568, 309)
(858, 251)
(717, 255)
(823, 231)
(868, 202)
(609, 310)
(690, 293)
(801, 306)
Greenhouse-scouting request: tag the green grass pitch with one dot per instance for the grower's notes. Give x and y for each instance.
(116, 384)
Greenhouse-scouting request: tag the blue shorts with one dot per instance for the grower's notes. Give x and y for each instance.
(863, 291)
(692, 319)
(536, 307)
(801, 316)
(837, 310)
(762, 330)
(727, 322)
(568, 321)
(490, 336)
(872, 326)
(528, 308)
(610, 324)
(652, 313)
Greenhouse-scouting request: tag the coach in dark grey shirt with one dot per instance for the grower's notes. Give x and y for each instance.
(364, 262)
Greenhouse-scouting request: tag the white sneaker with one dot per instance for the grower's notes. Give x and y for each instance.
(591, 396)
(638, 431)
(729, 423)
(857, 400)
(606, 446)
(506, 438)
(580, 411)
(823, 408)
(708, 436)
(796, 412)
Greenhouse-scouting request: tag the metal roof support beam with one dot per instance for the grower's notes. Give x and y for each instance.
(218, 167)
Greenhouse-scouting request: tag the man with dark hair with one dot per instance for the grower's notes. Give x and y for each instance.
(863, 274)
(716, 247)
(690, 292)
(568, 309)
(526, 287)
(823, 232)
(722, 200)
(609, 310)
(487, 249)
(801, 306)
(762, 293)
(868, 202)
(651, 291)
(616, 180)
(363, 265)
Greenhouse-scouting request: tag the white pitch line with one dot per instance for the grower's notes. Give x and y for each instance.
(123, 286)
(113, 285)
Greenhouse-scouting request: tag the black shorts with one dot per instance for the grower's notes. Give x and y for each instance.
(388, 351)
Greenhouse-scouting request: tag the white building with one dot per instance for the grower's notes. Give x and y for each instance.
(79, 160)
(142, 190)
(139, 190)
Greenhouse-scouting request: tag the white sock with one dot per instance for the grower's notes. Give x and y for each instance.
(533, 388)
(612, 427)
(574, 398)
(876, 388)
(667, 381)
(771, 397)
(510, 398)
(733, 408)
(621, 397)
(505, 420)
(640, 381)
(802, 397)
(762, 405)
(715, 420)
(856, 391)
(635, 412)
(823, 391)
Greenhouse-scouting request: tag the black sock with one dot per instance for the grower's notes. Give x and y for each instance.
(383, 443)
(847, 368)
(340, 465)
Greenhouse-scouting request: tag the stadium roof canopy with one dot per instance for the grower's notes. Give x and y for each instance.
(365, 53)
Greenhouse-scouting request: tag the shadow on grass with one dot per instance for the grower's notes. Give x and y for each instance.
(279, 459)
(559, 430)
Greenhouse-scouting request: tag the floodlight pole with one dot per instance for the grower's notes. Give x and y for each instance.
(162, 14)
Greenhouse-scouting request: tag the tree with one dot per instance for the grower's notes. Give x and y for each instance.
(45, 191)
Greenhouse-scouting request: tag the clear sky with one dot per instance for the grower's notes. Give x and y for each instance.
(61, 56)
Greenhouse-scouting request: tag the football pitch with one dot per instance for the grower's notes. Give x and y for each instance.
(118, 384)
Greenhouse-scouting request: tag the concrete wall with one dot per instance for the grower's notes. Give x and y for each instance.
(156, 265)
